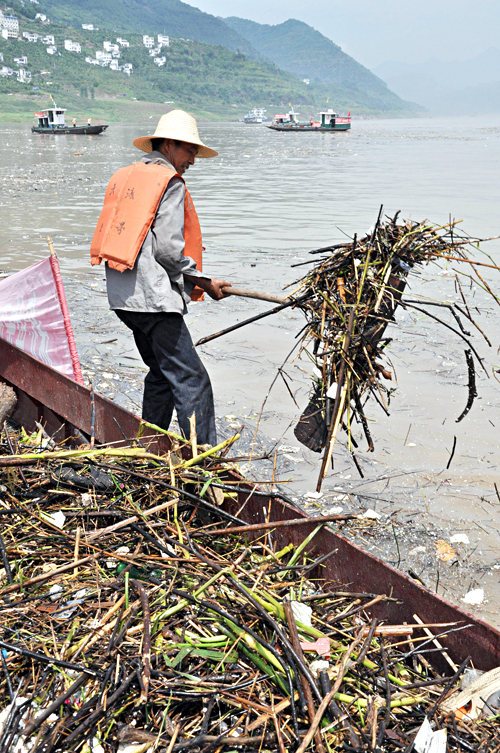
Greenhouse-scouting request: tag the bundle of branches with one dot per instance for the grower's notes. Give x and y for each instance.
(131, 624)
(349, 298)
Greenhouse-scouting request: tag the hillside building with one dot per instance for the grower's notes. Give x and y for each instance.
(127, 68)
(5, 71)
(155, 51)
(160, 61)
(30, 36)
(49, 39)
(148, 41)
(122, 42)
(1, 57)
(88, 27)
(114, 66)
(21, 61)
(52, 49)
(43, 18)
(91, 61)
(11, 25)
(163, 40)
(103, 57)
(72, 46)
(22, 75)
(110, 47)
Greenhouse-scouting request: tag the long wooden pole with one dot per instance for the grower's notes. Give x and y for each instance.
(254, 294)
(252, 319)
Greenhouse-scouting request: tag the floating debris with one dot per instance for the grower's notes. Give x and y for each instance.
(155, 620)
(349, 298)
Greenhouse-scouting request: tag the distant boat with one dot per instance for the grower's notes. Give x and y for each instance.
(52, 121)
(257, 115)
(329, 122)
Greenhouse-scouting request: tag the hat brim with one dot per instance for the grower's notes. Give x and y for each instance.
(144, 143)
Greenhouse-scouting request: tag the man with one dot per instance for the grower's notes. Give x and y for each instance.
(149, 235)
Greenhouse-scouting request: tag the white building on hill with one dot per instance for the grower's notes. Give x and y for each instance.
(30, 36)
(122, 42)
(5, 71)
(49, 39)
(42, 17)
(11, 25)
(163, 40)
(114, 66)
(110, 47)
(88, 27)
(104, 58)
(91, 61)
(23, 75)
(72, 46)
(52, 49)
(148, 41)
(22, 60)
(160, 61)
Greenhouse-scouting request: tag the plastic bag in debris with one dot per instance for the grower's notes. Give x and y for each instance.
(428, 741)
(98, 479)
(469, 703)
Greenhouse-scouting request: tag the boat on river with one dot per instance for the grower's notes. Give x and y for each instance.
(52, 121)
(329, 122)
(257, 115)
(68, 409)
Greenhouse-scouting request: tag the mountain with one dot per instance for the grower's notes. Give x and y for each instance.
(221, 76)
(444, 87)
(208, 80)
(172, 17)
(300, 49)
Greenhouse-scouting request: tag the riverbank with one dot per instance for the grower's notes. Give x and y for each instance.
(19, 108)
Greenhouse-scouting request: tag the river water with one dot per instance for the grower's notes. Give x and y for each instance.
(265, 202)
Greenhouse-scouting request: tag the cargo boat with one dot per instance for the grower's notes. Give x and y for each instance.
(52, 121)
(65, 409)
(328, 123)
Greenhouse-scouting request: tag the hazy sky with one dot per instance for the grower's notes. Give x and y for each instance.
(373, 31)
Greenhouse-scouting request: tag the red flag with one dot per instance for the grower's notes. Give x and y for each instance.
(34, 316)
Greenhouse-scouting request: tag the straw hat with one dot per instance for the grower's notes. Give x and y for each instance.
(178, 125)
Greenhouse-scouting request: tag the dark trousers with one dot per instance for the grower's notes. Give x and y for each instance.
(177, 378)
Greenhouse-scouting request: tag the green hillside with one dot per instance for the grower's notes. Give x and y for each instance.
(208, 80)
(296, 47)
(172, 17)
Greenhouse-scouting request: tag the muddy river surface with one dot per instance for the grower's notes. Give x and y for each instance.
(267, 200)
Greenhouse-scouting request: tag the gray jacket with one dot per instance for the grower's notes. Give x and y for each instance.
(156, 283)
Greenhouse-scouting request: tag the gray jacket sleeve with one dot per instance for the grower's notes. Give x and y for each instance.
(168, 235)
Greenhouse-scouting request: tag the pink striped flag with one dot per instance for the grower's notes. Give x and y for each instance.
(34, 316)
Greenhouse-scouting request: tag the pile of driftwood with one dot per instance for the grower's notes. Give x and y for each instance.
(138, 615)
(349, 298)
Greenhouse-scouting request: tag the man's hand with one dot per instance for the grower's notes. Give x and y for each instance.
(214, 289)
(211, 286)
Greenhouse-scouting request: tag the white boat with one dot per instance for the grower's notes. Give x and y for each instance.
(257, 115)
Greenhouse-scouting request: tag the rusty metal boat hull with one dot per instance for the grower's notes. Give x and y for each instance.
(64, 406)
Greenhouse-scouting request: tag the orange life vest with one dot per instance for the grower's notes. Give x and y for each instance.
(131, 201)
